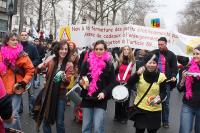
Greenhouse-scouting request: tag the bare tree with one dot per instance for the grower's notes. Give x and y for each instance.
(53, 4)
(73, 11)
(34, 9)
(117, 4)
(135, 11)
(40, 15)
(190, 21)
(21, 23)
(98, 10)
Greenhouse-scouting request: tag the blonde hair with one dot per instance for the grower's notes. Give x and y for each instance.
(131, 57)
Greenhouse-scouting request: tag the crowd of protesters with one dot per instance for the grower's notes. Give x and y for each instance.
(151, 75)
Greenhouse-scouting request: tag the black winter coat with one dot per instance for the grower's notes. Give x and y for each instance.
(105, 84)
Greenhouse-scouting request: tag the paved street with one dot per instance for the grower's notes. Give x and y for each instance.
(111, 126)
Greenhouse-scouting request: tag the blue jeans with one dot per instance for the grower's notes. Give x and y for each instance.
(31, 98)
(60, 126)
(93, 118)
(16, 101)
(188, 114)
(165, 107)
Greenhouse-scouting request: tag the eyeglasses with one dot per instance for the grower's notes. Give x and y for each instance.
(100, 49)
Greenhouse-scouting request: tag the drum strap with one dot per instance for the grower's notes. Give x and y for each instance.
(126, 72)
(144, 95)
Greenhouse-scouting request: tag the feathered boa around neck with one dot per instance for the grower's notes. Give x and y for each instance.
(97, 64)
(189, 79)
(9, 54)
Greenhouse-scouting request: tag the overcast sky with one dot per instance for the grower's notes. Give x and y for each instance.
(169, 10)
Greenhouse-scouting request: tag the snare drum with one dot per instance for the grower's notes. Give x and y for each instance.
(120, 93)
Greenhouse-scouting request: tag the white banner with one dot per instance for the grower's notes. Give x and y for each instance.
(135, 36)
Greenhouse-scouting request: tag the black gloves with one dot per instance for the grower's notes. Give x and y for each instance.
(22, 84)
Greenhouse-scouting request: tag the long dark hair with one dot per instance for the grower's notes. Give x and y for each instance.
(8, 36)
(56, 48)
(101, 42)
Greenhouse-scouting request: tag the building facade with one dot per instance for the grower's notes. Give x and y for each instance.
(3, 18)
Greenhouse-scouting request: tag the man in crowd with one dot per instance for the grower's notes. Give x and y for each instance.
(31, 50)
(167, 64)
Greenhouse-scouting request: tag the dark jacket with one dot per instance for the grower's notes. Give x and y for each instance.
(41, 52)
(105, 84)
(171, 63)
(32, 52)
(194, 101)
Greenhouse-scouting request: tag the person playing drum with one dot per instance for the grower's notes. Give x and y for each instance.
(149, 109)
(124, 69)
(16, 71)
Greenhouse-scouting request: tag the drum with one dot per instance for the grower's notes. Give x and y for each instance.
(11, 130)
(120, 93)
(18, 89)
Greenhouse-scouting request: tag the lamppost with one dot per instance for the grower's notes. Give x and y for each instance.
(10, 11)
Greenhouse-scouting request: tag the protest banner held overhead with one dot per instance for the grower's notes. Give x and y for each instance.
(135, 36)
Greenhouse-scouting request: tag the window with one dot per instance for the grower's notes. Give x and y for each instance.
(17, 20)
(3, 25)
(3, 3)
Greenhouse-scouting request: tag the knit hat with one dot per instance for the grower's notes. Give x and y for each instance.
(149, 56)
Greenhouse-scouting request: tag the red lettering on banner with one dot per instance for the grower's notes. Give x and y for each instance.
(89, 34)
(112, 36)
(149, 44)
(136, 43)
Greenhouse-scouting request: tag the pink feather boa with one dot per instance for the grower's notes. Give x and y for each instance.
(189, 79)
(97, 64)
(11, 54)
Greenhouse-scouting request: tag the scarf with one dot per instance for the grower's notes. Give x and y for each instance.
(9, 55)
(189, 79)
(151, 77)
(97, 64)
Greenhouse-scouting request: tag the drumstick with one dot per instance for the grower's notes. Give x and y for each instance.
(194, 74)
(169, 80)
(116, 56)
